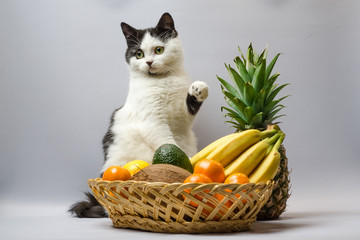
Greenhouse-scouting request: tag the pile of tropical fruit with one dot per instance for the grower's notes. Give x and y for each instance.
(254, 153)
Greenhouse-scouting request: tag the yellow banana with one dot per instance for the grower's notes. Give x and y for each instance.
(268, 168)
(248, 161)
(208, 149)
(228, 151)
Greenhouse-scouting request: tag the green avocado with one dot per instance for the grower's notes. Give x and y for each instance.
(172, 154)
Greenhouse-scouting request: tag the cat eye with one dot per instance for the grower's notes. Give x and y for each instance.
(139, 54)
(159, 50)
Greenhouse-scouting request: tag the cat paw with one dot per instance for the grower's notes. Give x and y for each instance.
(199, 90)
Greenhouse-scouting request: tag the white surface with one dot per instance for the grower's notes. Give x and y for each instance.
(319, 219)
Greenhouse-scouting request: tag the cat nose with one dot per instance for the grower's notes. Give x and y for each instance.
(149, 63)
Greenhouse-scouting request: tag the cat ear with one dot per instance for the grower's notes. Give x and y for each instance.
(166, 24)
(130, 33)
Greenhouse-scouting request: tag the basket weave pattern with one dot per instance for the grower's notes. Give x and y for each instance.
(181, 207)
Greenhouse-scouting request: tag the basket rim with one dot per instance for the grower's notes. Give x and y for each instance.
(96, 180)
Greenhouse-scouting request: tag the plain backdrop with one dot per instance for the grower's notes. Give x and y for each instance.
(63, 72)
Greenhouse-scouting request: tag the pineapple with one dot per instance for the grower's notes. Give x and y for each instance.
(252, 105)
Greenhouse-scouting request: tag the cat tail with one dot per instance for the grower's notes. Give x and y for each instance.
(89, 208)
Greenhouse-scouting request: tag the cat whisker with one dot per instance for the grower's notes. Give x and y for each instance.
(164, 69)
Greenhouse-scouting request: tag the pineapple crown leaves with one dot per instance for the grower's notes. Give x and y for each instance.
(251, 97)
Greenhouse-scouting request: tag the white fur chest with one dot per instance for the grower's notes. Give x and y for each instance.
(161, 98)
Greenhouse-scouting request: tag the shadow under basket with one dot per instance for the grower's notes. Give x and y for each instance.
(181, 207)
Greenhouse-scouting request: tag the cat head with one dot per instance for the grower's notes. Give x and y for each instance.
(153, 51)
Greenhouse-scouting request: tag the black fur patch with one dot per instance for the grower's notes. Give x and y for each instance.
(164, 30)
(88, 209)
(133, 39)
(193, 104)
(108, 139)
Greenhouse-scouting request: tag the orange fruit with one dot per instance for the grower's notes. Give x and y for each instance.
(221, 197)
(214, 170)
(237, 178)
(121, 194)
(116, 173)
(196, 178)
(199, 178)
(111, 194)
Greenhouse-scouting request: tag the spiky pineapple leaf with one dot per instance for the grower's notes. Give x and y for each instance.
(242, 70)
(233, 114)
(249, 113)
(271, 115)
(272, 121)
(250, 53)
(232, 105)
(251, 69)
(230, 88)
(249, 93)
(242, 56)
(259, 76)
(237, 79)
(273, 93)
(235, 103)
(262, 56)
(239, 120)
(229, 110)
(249, 64)
(259, 100)
(272, 105)
(271, 66)
(269, 83)
(236, 125)
(257, 120)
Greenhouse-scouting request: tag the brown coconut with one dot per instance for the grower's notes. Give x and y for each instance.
(161, 173)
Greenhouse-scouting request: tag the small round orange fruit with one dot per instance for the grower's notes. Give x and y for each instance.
(198, 178)
(237, 178)
(116, 173)
(214, 170)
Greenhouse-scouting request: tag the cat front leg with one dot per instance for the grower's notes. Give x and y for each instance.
(197, 94)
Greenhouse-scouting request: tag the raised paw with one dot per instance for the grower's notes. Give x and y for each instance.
(199, 90)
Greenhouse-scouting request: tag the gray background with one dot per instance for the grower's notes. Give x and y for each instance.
(63, 72)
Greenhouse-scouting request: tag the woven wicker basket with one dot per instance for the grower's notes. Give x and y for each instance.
(181, 207)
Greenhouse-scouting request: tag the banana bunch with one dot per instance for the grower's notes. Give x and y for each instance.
(252, 152)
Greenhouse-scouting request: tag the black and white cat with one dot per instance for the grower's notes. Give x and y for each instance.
(160, 107)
